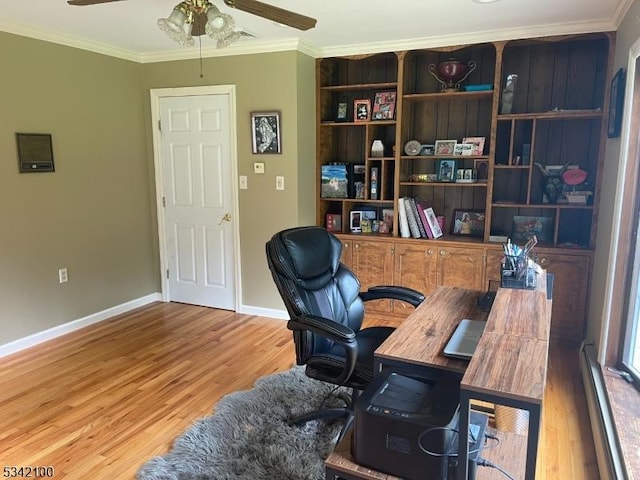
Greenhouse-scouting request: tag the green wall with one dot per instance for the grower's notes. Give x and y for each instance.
(627, 34)
(96, 213)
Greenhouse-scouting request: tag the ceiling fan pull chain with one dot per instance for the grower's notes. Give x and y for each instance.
(200, 41)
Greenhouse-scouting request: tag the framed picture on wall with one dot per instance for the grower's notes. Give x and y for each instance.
(265, 132)
(616, 104)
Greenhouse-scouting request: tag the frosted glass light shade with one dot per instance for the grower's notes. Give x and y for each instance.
(219, 25)
(177, 26)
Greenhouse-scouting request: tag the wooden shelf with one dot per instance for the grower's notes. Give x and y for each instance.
(551, 206)
(356, 124)
(443, 184)
(360, 86)
(554, 115)
(422, 97)
(443, 157)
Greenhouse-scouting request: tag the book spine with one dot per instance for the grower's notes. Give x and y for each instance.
(413, 224)
(433, 222)
(402, 219)
(416, 214)
(374, 183)
(424, 220)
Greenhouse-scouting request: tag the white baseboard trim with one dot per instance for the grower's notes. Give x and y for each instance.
(51, 333)
(264, 312)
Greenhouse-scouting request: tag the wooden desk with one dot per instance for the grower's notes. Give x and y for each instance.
(509, 366)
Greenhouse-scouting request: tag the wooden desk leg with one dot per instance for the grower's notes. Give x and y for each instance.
(463, 435)
(535, 415)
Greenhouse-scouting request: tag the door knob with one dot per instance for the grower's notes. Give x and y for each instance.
(226, 218)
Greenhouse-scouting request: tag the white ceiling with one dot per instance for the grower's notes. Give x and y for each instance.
(128, 29)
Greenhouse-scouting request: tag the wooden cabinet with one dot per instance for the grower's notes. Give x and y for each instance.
(571, 283)
(461, 267)
(557, 119)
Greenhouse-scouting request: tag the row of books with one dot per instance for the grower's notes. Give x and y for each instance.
(417, 220)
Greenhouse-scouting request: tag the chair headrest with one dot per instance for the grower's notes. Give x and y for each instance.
(314, 254)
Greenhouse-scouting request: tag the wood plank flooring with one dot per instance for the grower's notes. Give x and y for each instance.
(99, 402)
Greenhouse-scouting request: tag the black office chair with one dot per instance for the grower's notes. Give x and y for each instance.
(326, 310)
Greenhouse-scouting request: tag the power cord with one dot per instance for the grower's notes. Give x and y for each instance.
(483, 462)
(443, 454)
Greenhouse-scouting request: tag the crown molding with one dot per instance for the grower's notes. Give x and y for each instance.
(69, 41)
(257, 46)
(470, 38)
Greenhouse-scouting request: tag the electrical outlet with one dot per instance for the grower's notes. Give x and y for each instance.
(243, 182)
(279, 182)
(63, 275)
(258, 167)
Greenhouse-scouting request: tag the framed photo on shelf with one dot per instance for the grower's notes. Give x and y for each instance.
(525, 227)
(384, 106)
(362, 110)
(616, 103)
(465, 149)
(446, 170)
(477, 142)
(334, 181)
(355, 221)
(468, 222)
(482, 170)
(265, 132)
(445, 147)
(341, 112)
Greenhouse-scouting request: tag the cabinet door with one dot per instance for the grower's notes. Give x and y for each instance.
(461, 267)
(372, 262)
(571, 280)
(415, 267)
(347, 257)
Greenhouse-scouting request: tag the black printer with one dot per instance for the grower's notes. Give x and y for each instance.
(408, 428)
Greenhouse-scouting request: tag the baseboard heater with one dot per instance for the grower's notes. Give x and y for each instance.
(608, 451)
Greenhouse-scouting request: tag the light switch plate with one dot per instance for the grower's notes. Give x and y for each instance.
(279, 182)
(243, 182)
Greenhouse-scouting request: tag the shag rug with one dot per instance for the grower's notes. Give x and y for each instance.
(248, 437)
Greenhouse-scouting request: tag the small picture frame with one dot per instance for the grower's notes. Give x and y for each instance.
(384, 106)
(524, 227)
(265, 132)
(427, 150)
(616, 104)
(362, 110)
(355, 221)
(482, 170)
(445, 147)
(468, 223)
(478, 144)
(446, 170)
(465, 149)
(341, 112)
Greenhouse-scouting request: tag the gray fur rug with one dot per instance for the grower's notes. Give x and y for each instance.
(248, 437)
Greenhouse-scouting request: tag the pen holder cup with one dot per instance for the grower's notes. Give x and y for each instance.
(517, 272)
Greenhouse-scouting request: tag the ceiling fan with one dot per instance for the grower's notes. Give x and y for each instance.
(276, 14)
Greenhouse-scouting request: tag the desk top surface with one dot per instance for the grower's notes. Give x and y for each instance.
(511, 358)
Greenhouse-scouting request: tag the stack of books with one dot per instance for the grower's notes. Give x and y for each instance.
(417, 220)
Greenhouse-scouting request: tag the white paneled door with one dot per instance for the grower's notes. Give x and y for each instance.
(195, 142)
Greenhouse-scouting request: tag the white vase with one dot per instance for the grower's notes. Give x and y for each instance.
(377, 148)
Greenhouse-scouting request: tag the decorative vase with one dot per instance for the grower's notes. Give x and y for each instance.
(452, 73)
(377, 148)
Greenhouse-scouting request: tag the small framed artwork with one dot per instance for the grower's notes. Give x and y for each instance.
(525, 227)
(35, 152)
(445, 147)
(427, 149)
(482, 170)
(446, 170)
(478, 144)
(466, 149)
(341, 112)
(616, 104)
(384, 106)
(362, 110)
(355, 221)
(265, 132)
(468, 222)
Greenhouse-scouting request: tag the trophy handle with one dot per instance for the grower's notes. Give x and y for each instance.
(432, 70)
(472, 66)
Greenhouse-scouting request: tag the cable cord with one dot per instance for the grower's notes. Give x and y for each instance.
(443, 454)
(483, 462)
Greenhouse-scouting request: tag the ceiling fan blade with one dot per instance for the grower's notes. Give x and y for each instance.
(89, 2)
(276, 14)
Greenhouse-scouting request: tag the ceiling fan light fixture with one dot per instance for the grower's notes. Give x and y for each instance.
(178, 25)
(219, 25)
(228, 40)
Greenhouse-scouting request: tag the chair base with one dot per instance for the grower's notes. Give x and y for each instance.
(346, 413)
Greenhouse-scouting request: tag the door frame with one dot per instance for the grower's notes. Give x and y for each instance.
(156, 94)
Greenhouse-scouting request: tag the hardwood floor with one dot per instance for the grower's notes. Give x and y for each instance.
(97, 403)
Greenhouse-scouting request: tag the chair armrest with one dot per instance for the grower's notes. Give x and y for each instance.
(341, 334)
(323, 327)
(405, 294)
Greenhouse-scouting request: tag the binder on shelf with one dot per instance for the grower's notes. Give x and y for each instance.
(374, 183)
(424, 220)
(402, 219)
(411, 219)
(416, 214)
